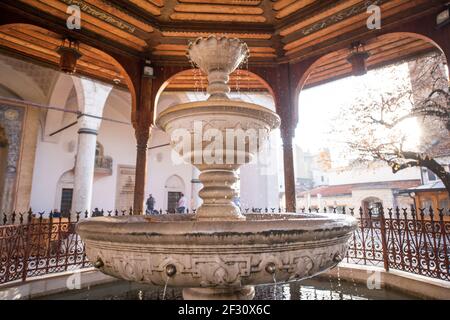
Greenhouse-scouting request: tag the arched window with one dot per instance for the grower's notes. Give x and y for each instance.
(372, 204)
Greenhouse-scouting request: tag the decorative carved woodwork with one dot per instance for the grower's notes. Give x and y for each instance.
(100, 14)
(287, 7)
(196, 34)
(312, 36)
(302, 24)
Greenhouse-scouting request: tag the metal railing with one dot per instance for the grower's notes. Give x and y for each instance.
(34, 244)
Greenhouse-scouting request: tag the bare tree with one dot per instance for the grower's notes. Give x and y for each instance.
(382, 123)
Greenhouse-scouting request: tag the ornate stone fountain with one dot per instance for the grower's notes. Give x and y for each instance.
(218, 253)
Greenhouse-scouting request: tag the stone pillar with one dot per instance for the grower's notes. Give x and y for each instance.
(142, 133)
(289, 173)
(91, 102)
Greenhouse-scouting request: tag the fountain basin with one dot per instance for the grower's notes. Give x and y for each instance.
(228, 255)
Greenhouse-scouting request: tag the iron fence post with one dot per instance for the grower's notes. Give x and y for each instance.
(28, 244)
(384, 240)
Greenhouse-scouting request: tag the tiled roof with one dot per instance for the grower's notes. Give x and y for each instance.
(435, 185)
(346, 189)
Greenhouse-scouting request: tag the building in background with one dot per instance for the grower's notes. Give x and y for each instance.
(362, 186)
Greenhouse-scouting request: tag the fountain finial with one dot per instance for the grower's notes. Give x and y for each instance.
(217, 57)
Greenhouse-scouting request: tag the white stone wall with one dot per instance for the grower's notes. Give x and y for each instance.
(53, 159)
(259, 180)
(324, 202)
(160, 168)
(355, 200)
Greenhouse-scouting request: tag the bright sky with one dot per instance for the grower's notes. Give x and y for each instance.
(319, 105)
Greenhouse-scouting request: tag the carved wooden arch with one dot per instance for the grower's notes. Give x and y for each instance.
(124, 65)
(307, 72)
(425, 28)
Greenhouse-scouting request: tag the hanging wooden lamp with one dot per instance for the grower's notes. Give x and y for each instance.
(358, 59)
(69, 52)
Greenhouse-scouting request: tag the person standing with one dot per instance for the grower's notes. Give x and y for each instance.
(150, 204)
(182, 203)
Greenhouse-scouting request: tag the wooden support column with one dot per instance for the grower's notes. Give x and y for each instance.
(142, 133)
(289, 174)
(288, 114)
(142, 127)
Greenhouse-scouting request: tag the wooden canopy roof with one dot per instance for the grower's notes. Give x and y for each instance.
(275, 30)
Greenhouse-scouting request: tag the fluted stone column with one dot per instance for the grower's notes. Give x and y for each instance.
(91, 102)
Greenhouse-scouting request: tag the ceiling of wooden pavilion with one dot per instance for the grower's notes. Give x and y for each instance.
(275, 30)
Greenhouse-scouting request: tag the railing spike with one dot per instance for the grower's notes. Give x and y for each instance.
(441, 214)
(422, 213)
(405, 212)
(390, 213)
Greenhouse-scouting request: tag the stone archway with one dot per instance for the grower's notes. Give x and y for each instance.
(372, 204)
(378, 45)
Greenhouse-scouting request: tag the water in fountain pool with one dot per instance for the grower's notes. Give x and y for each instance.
(309, 289)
